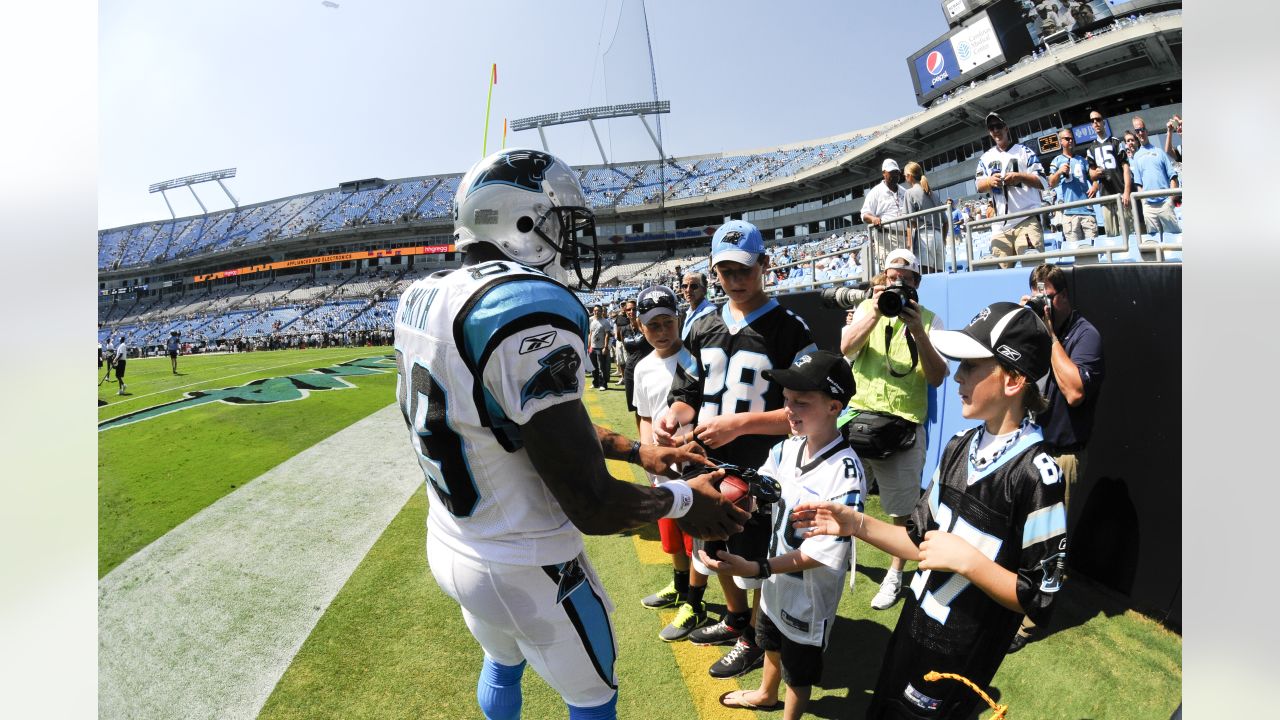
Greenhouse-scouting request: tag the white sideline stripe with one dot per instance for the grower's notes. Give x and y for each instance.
(203, 622)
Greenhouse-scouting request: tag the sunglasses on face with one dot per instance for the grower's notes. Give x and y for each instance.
(1140, 130)
(1095, 119)
(690, 286)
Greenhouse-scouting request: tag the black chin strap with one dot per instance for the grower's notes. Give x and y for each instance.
(911, 348)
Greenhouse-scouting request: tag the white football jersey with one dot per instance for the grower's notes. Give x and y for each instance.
(479, 351)
(803, 604)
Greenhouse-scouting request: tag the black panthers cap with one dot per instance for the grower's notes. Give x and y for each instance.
(1009, 332)
(820, 370)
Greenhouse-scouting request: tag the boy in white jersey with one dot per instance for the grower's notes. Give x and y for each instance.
(990, 533)
(652, 382)
(803, 577)
(489, 360)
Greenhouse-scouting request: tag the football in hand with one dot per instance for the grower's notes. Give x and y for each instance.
(735, 490)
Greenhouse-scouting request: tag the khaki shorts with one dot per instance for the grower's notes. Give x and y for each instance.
(899, 477)
(1079, 227)
(1013, 241)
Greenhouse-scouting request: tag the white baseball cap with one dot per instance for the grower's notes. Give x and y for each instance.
(889, 164)
(902, 259)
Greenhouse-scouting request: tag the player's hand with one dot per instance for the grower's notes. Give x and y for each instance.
(718, 431)
(948, 552)
(711, 517)
(726, 561)
(659, 460)
(824, 518)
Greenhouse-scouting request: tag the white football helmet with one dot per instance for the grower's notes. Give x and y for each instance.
(530, 206)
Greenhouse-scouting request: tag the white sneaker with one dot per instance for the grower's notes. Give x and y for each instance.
(888, 594)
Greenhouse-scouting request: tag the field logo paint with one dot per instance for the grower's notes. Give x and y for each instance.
(266, 390)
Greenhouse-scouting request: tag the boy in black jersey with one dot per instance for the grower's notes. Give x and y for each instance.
(737, 410)
(993, 518)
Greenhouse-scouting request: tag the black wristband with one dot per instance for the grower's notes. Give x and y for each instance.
(633, 457)
(765, 570)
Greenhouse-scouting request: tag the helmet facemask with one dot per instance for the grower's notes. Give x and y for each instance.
(574, 231)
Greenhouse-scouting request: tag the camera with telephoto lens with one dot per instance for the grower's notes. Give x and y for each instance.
(895, 297)
(847, 298)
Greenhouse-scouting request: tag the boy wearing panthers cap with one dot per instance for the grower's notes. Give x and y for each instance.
(990, 534)
(738, 412)
(803, 577)
(656, 311)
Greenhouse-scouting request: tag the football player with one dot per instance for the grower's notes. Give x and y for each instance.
(489, 360)
(990, 534)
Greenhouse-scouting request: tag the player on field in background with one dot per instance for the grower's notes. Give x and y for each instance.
(488, 358)
(118, 358)
(653, 375)
(990, 535)
(171, 345)
(738, 413)
(803, 577)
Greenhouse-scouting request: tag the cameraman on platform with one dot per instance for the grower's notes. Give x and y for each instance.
(888, 345)
(1071, 387)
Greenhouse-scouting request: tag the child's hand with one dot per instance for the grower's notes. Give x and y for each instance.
(718, 431)
(823, 518)
(948, 552)
(730, 563)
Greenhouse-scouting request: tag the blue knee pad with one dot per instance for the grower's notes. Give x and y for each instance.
(498, 691)
(607, 711)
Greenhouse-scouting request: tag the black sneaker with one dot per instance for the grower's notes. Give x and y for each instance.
(742, 659)
(718, 634)
(667, 597)
(1019, 641)
(688, 618)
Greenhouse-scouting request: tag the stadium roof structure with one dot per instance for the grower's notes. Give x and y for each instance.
(590, 115)
(188, 181)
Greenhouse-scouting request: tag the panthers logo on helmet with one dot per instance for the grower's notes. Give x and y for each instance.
(520, 168)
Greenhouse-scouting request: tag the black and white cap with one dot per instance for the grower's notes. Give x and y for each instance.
(1009, 332)
(820, 370)
(655, 300)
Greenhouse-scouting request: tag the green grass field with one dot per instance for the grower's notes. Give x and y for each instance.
(390, 644)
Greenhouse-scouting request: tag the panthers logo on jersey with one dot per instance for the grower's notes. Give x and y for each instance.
(525, 169)
(558, 376)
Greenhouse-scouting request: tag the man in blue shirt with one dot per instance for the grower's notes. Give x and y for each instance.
(1153, 170)
(1069, 173)
(1071, 387)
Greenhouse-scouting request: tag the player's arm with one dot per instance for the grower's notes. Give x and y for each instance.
(558, 442)
(832, 518)
(655, 459)
(948, 552)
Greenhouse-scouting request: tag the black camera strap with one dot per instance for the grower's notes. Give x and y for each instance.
(911, 348)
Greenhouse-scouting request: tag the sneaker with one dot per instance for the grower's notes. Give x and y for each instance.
(688, 618)
(1019, 641)
(717, 634)
(742, 659)
(665, 598)
(888, 594)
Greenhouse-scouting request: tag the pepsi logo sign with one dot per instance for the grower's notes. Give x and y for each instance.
(935, 63)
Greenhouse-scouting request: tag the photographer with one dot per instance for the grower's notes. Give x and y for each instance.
(888, 344)
(1071, 387)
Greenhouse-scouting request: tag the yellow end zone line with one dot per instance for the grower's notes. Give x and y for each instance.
(693, 661)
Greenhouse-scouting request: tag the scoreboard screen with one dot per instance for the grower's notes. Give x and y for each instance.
(989, 40)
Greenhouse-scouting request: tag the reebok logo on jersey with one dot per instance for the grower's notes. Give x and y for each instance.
(1008, 352)
(537, 342)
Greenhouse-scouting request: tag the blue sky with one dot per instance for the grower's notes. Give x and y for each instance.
(300, 96)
